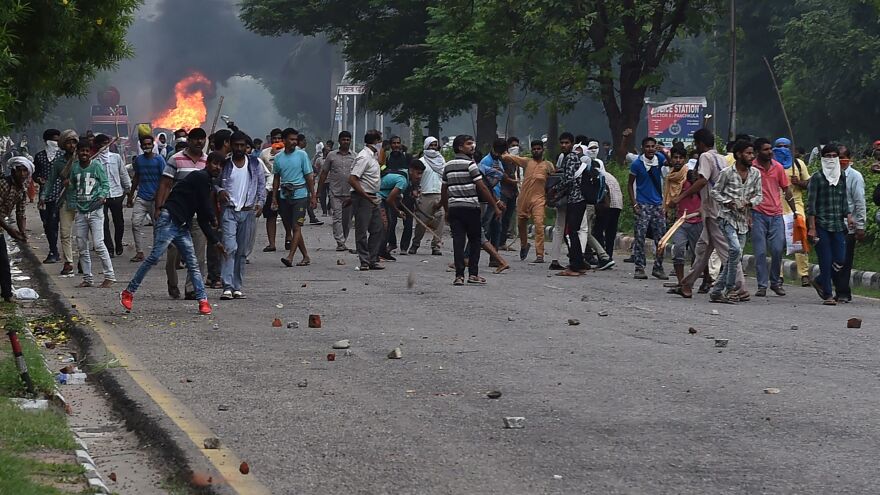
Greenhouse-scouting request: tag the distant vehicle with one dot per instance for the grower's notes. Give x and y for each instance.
(110, 118)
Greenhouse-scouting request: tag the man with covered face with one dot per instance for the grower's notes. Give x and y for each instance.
(12, 197)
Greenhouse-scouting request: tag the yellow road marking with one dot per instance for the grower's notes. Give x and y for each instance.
(223, 459)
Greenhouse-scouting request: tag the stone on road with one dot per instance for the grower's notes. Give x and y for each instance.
(628, 404)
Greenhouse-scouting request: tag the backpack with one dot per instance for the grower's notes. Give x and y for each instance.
(593, 187)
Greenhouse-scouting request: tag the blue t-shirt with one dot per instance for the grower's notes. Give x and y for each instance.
(293, 169)
(149, 171)
(390, 181)
(648, 191)
(493, 171)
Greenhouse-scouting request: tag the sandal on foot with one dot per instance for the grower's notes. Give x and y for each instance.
(501, 268)
(458, 281)
(304, 263)
(287, 262)
(477, 280)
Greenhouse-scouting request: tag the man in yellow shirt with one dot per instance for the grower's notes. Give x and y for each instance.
(532, 198)
(799, 176)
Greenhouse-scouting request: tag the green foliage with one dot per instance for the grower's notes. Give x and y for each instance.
(54, 48)
(830, 56)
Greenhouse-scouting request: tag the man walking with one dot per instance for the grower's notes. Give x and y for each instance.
(532, 199)
(291, 190)
(462, 188)
(855, 196)
(12, 197)
(768, 228)
(178, 167)
(828, 216)
(593, 171)
(365, 181)
(191, 195)
(428, 203)
(737, 191)
(242, 194)
(148, 168)
(646, 173)
(49, 213)
(799, 177)
(51, 196)
(397, 161)
(87, 193)
(709, 167)
(334, 176)
(267, 157)
(120, 186)
(570, 186)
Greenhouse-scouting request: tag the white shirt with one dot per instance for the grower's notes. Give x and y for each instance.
(117, 175)
(237, 186)
(432, 182)
(366, 169)
(268, 160)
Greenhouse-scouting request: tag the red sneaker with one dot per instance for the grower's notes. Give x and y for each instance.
(205, 307)
(126, 298)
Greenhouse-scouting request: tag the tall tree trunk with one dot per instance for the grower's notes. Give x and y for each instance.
(434, 126)
(487, 126)
(512, 111)
(552, 131)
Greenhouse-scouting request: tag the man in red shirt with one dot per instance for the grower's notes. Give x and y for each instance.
(684, 240)
(768, 228)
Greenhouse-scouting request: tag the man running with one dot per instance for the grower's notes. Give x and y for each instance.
(191, 195)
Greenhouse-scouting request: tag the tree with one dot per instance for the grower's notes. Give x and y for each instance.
(830, 56)
(51, 49)
(382, 40)
(630, 45)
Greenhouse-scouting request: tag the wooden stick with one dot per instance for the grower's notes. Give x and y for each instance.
(661, 246)
(781, 104)
(214, 124)
(429, 229)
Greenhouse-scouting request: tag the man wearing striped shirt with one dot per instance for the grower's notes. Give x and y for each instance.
(462, 188)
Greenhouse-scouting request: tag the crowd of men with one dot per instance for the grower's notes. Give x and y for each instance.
(229, 182)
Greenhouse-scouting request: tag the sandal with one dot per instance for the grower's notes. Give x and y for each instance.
(458, 281)
(217, 284)
(680, 292)
(287, 262)
(137, 258)
(477, 280)
(83, 285)
(569, 273)
(501, 268)
(304, 263)
(106, 284)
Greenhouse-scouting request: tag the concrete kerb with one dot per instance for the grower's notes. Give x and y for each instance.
(140, 414)
(859, 278)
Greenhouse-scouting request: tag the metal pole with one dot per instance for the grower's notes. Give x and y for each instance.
(354, 120)
(731, 134)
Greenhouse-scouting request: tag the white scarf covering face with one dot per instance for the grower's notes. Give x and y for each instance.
(649, 163)
(52, 149)
(514, 150)
(831, 170)
(104, 156)
(593, 150)
(433, 157)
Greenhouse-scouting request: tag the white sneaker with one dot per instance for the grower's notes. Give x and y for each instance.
(226, 295)
(238, 295)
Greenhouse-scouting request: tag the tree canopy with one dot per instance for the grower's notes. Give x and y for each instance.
(51, 49)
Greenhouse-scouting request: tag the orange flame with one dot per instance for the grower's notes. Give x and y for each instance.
(189, 106)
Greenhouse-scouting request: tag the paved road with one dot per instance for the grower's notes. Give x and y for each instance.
(627, 403)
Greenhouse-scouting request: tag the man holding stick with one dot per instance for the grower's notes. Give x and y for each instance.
(51, 196)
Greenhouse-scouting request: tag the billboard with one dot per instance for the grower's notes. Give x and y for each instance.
(675, 118)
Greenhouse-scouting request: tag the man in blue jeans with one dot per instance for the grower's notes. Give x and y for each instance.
(737, 191)
(242, 194)
(828, 214)
(768, 228)
(191, 195)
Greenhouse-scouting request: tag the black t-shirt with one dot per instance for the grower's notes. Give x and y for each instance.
(193, 195)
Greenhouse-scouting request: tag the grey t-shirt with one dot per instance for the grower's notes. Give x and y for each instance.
(338, 166)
